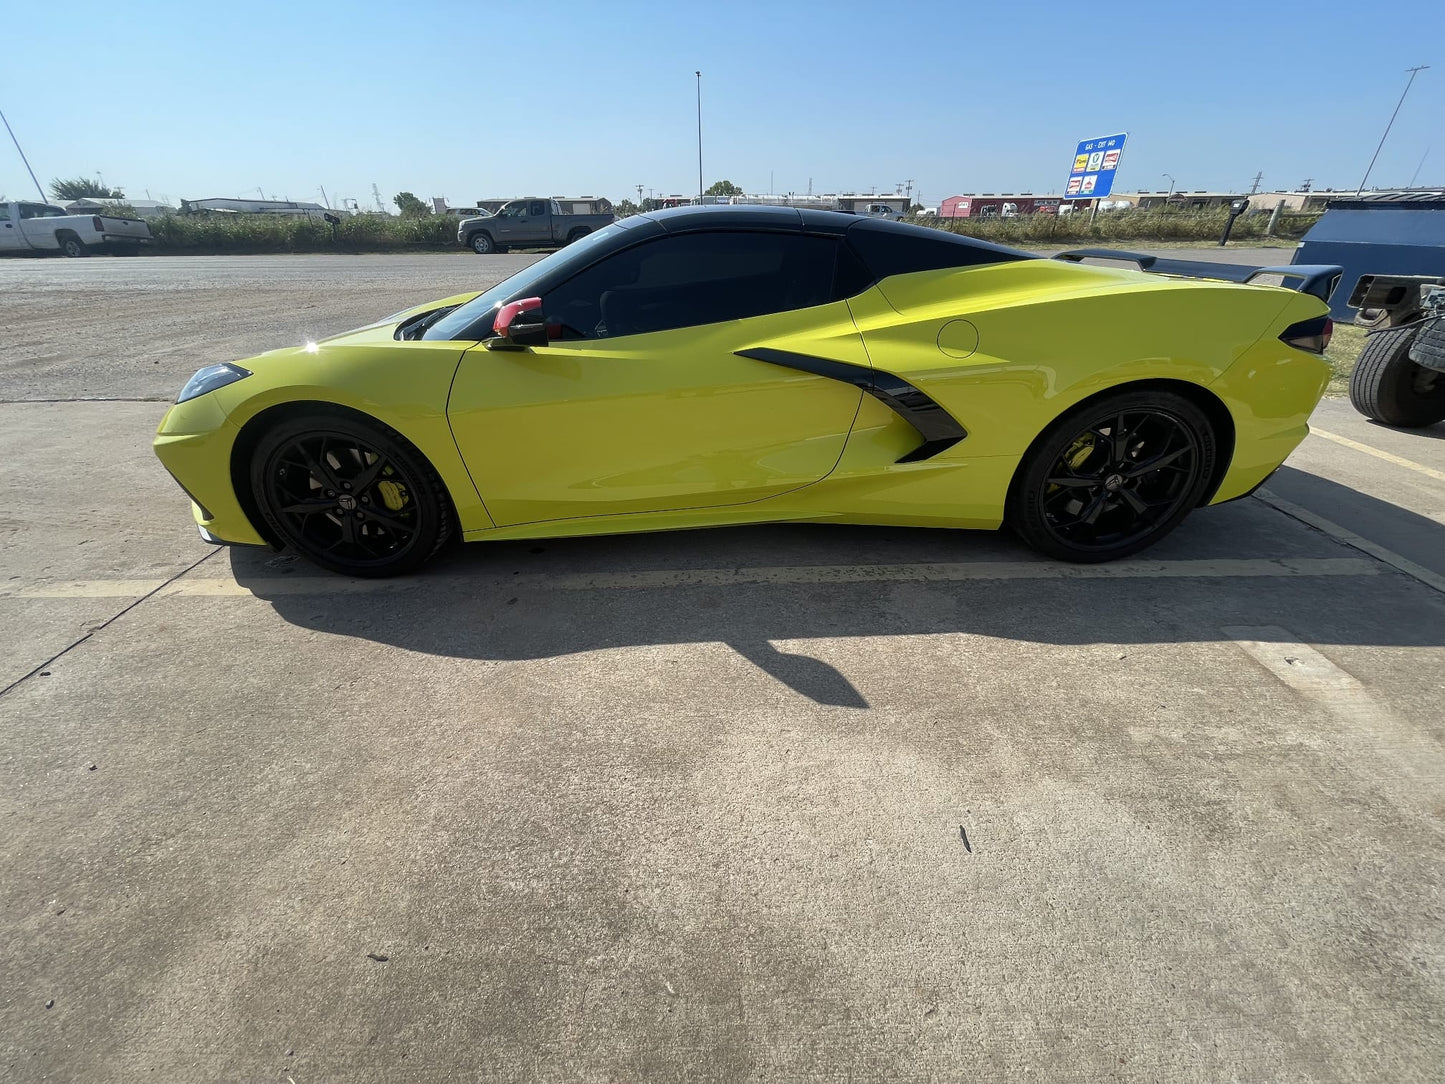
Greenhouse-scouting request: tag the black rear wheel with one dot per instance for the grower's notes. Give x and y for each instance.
(1391, 388)
(1113, 477)
(73, 246)
(351, 495)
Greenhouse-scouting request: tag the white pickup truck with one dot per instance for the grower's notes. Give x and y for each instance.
(39, 227)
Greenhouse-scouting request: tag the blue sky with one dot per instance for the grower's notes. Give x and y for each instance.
(469, 100)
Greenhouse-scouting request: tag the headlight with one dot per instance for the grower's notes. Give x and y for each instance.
(210, 378)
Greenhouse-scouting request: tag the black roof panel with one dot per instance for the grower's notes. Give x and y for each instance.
(889, 247)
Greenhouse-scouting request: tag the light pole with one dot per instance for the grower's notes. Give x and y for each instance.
(1171, 190)
(699, 136)
(1413, 72)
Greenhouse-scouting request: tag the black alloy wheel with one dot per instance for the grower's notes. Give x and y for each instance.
(1114, 477)
(352, 496)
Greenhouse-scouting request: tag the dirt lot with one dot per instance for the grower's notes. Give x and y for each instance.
(773, 803)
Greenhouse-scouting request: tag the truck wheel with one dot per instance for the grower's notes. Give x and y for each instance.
(578, 234)
(1388, 387)
(482, 243)
(72, 246)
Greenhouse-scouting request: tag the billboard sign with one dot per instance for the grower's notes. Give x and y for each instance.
(1095, 163)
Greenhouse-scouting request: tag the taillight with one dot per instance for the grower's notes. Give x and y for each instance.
(99, 227)
(1312, 335)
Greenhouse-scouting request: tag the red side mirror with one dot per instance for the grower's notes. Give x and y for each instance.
(510, 311)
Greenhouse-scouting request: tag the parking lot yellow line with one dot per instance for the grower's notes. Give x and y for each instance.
(658, 579)
(1388, 457)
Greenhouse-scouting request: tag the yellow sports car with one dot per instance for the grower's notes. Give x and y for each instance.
(709, 366)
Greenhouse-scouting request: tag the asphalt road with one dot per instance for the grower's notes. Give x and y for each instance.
(769, 803)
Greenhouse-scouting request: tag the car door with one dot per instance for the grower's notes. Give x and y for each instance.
(11, 239)
(642, 402)
(35, 231)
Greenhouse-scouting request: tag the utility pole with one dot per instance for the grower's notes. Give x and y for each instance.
(908, 190)
(43, 197)
(1413, 72)
(1255, 186)
(699, 135)
(1305, 184)
(639, 195)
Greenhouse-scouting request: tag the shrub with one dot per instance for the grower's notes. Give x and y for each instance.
(222, 232)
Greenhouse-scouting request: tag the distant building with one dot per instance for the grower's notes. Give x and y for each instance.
(1000, 205)
(255, 207)
(101, 205)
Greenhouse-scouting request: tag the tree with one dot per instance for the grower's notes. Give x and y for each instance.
(410, 206)
(68, 188)
(724, 188)
(625, 208)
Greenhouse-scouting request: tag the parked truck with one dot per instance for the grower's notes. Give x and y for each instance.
(527, 223)
(1391, 246)
(41, 227)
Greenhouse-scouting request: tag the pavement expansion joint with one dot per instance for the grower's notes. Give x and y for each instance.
(106, 623)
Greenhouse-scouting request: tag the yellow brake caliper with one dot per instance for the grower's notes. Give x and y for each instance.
(393, 495)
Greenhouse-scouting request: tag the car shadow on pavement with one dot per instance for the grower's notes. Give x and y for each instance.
(762, 589)
(1434, 432)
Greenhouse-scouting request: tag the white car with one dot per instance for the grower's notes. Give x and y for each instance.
(40, 227)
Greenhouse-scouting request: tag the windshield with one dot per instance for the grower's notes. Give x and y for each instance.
(458, 324)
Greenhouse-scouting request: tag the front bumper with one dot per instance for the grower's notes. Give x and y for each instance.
(194, 443)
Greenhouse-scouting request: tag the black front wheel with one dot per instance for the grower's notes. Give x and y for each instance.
(482, 244)
(351, 495)
(1113, 477)
(73, 246)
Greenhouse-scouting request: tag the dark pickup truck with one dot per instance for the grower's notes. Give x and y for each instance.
(527, 223)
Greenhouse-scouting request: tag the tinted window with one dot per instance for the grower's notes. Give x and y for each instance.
(40, 210)
(473, 321)
(537, 208)
(692, 279)
(898, 249)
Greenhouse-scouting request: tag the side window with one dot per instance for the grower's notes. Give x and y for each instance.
(691, 280)
(4, 212)
(34, 210)
(537, 208)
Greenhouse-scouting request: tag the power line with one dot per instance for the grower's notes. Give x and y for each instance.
(1413, 72)
(43, 197)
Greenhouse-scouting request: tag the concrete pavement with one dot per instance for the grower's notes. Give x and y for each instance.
(770, 803)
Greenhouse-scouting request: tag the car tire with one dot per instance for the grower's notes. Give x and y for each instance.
(1113, 476)
(72, 246)
(577, 234)
(481, 243)
(1388, 387)
(350, 494)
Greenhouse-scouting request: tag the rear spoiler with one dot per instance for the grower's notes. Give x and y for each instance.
(1318, 280)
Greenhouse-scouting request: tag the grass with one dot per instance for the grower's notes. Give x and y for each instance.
(1344, 350)
(219, 233)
